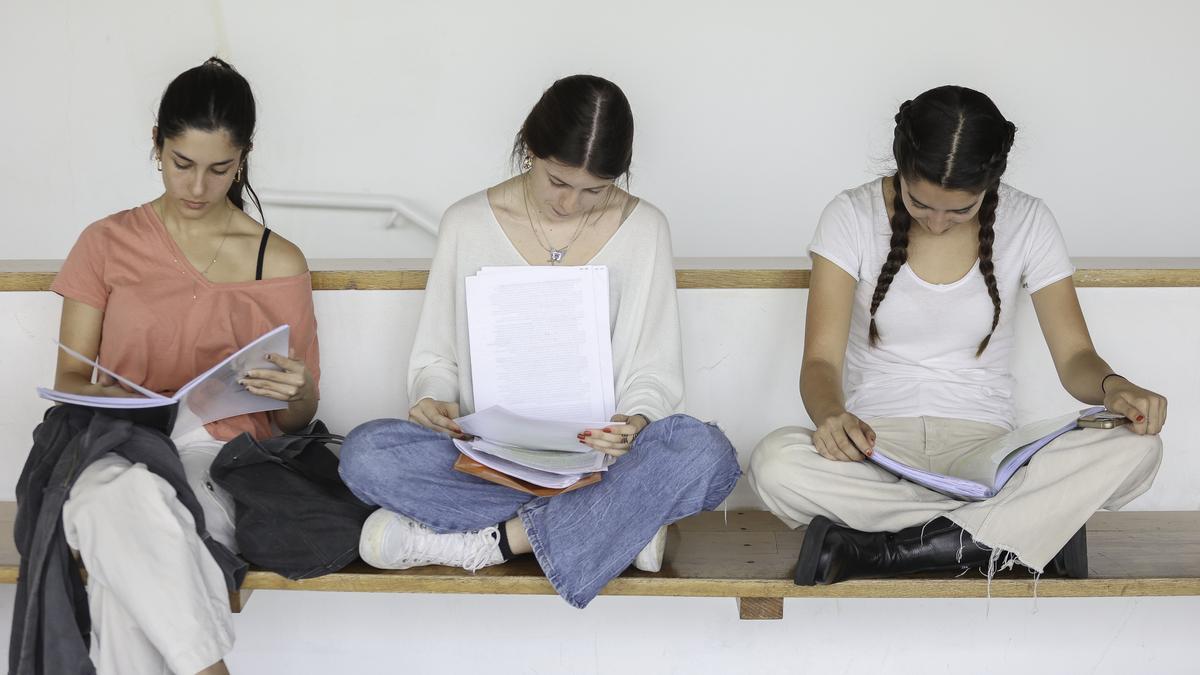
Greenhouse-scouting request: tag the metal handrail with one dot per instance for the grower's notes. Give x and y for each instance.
(350, 201)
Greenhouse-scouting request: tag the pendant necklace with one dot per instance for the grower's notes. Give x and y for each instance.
(535, 225)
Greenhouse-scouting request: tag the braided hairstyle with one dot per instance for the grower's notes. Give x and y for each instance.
(956, 138)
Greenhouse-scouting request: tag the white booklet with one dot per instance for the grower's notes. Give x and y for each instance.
(981, 473)
(541, 370)
(210, 396)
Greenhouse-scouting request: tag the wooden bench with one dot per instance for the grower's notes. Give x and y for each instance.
(749, 555)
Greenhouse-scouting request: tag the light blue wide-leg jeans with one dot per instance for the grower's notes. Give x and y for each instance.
(678, 466)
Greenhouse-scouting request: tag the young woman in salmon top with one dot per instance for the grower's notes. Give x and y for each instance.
(159, 293)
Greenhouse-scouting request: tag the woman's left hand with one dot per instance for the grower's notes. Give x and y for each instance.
(1146, 410)
(291, 384)
(615, 439)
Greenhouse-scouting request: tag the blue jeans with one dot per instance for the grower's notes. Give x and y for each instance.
(678, 466)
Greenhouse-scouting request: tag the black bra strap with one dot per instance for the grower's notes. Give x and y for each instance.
(262, 252)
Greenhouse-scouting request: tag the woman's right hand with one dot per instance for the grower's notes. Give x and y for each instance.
(437, 415)
(844, 438)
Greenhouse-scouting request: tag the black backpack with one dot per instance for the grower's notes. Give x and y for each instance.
(294, 515)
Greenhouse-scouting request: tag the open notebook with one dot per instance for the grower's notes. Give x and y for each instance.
(213, 395)
(541, 371)
(982, 472)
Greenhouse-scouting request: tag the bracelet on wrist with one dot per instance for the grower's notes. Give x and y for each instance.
(1105, 381)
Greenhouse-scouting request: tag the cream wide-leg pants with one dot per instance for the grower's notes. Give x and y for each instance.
(157, 598)
(1032, 517)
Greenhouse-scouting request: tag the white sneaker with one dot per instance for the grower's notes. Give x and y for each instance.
(391, 541)
(650, 558)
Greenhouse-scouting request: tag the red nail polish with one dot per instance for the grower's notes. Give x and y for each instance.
(607, 430)
(1141, 417)
(587, 433)
(581, 441)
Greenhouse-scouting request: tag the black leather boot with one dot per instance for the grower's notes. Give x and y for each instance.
(1072, 560)
(833, 553)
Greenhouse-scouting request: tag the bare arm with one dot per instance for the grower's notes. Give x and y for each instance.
(293, 383)
(839, 435)
(79, 328)
(826, 331)
(1081, 370)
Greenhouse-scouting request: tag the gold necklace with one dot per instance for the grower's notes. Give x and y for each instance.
(224, 236)
(556, 253)
(162, 216)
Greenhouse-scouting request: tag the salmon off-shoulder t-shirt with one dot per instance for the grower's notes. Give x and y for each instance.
(165, 323)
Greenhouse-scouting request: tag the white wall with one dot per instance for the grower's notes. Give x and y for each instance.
(750, 115)
(741, 371)
(294, 633)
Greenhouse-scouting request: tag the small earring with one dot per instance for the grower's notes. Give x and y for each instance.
(526, 163)
(158, 162)
(237, 177)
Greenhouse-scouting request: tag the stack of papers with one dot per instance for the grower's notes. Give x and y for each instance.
(541, 369)
(542, 452)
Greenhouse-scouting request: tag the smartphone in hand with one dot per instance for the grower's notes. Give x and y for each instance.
(1105, 419)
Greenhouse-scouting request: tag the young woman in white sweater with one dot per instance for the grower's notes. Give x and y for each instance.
(563, 208)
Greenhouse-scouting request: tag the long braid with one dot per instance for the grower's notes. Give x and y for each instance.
(987, 235)
(901, 221)
(955, 138)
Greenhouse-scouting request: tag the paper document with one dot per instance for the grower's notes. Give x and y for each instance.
(540, 341)
(499, 425)
(541, 371)
(542, 452)
(530, 475)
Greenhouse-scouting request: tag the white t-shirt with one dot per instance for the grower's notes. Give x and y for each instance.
(643, 313)
(925, 363)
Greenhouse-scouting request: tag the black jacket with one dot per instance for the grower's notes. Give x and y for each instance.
(51, 624)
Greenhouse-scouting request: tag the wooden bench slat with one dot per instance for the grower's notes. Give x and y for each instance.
(410, 274)
(750, 554)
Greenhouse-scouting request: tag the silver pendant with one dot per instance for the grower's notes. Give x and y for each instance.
(556, 255)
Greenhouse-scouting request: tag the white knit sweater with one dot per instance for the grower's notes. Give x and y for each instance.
(643, 312)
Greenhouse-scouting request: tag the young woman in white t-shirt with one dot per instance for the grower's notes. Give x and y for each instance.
(907, 348)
